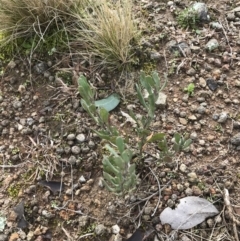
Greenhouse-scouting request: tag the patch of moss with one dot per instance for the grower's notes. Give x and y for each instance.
(149, 67)
(13, 190)
(65, 76)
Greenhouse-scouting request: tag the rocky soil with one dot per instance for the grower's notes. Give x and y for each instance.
(46, 136)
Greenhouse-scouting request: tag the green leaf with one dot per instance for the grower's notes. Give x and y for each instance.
(111, 168)
(132, 169)
(187, 143)
(85, 89)
(108, 103)
(140, 97)
(111, 150)
(90, 109)
(177, 138)
(157, 137)
(120, 144)
(127, 156)
(119, 162)
(108, 177)
(163, 145)
(104, 115)
(156, 79)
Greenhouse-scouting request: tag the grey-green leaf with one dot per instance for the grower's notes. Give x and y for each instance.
(109, 103)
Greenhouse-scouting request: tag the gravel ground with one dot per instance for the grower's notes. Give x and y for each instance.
(46, 135)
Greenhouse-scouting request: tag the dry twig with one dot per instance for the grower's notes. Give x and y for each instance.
(235, 221)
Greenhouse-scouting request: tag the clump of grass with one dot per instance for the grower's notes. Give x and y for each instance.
(188, 18)
(109, 31)
(31, 22)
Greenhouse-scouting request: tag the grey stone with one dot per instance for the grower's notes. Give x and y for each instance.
(115, 229)
(202, 82)
(17, 104)
(3, 237)
(236, 125)
(192, 177)
(80, 138)
(216, 25)
(202, 11)
(185, 98)
(72, 160)
(71, 137)
(188, 191)
(184, 238)
(155, 56)
(193, 135)
(47, 214)
(148, 210)
(161, 100)
(69, 191)
(30, 235)
(231, 16)
(183, 121)
(191, 72)
(180, 187)
(82, 179)
(215, 116)
(116, 237)
(235, 140)
(75, 150)
(170, 203)
(183, 114)
(222, 117)
(91, 144)
(212, 44)
(100, 229)
(30, 121)
(202, 142)
(40, 68)
(192, 117)
(183, 168)
(201, 110)
(83, 221)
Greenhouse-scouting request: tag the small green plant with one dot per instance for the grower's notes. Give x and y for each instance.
(188, 18)
(13, 190)
(152, 85)
(190, 89)
(180, 143)
(118, 172)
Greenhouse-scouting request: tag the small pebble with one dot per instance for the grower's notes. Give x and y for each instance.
(75, 150)
(80, 138)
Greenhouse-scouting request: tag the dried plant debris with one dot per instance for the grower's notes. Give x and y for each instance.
(19, 210)
(52, 185)
(190, 212)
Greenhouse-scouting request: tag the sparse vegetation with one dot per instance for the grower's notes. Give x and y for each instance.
(190, 89)
(188, 18)
(28, 25)
(118, 172)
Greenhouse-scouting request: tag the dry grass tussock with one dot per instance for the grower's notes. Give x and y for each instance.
(104, 29)
(26, 19)
(109, 30)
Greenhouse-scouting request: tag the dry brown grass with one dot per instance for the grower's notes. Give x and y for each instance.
(109, 31)
(28, 19)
